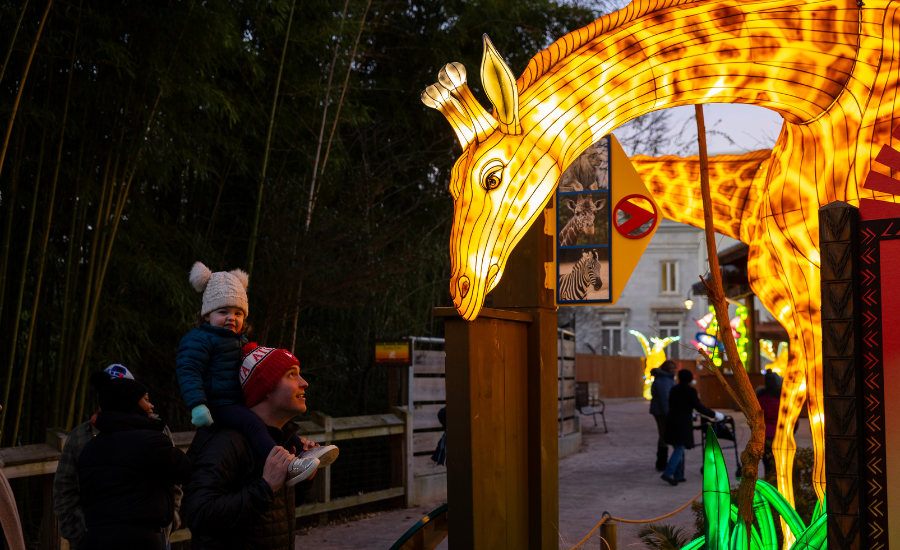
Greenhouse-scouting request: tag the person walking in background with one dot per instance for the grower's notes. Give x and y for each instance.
(127, 473)
(66, 499)
(683, 401)
(663, 382)
(769, 397)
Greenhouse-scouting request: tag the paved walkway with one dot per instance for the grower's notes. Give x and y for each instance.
(612, 472)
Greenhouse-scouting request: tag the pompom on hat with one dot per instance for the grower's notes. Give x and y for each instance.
(262, 369)
(220, 289)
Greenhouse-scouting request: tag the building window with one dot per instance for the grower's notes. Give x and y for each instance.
(669, 277)
(666, 329)
(611, 333)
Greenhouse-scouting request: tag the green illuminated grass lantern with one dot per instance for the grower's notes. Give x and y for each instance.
(726, 531)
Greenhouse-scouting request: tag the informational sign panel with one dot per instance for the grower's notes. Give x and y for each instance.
(605, 217)
(396, 353)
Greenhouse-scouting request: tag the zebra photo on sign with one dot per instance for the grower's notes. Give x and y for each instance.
(583, 225)
(583, 275)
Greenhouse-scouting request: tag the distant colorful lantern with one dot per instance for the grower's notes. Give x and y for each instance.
(655, 351)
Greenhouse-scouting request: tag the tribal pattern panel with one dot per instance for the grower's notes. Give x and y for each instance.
(871, 234)
(842, 375)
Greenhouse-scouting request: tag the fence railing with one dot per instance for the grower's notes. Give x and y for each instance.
(42, 460)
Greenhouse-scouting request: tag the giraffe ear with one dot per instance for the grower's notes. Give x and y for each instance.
(599, 204)
(571, 204)
(500, 87)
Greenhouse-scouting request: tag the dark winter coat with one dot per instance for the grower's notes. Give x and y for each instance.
(227, 504)
(683, 401)
(208, 366)
(126, 478)
(659, 391)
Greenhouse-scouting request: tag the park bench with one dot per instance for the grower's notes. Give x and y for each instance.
(596, 407)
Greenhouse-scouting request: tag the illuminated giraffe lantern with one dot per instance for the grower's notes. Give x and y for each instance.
(829, 68)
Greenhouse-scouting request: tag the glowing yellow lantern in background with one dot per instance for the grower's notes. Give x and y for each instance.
(778, 358)
(833, 84)
(655, 352)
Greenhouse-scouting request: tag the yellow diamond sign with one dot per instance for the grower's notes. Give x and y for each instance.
(604, 220)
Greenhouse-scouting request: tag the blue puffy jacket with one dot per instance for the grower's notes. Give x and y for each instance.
(208, 367)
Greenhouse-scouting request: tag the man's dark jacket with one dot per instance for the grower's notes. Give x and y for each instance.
(227, 504)
(683, 400)
(126, 478)
(663, 382)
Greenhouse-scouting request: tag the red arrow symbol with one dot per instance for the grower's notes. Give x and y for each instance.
(639, 217)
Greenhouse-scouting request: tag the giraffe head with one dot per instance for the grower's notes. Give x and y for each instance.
(584, 210)
(500, 183)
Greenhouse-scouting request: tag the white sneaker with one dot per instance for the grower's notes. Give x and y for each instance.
(326, 454)
(300, 469)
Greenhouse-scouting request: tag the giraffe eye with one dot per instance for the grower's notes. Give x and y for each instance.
(492, 175)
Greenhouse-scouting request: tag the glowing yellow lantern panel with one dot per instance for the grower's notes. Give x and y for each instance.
(829, 68)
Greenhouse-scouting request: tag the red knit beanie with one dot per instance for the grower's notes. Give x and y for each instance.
(262, 369)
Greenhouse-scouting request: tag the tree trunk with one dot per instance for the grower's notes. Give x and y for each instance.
(755, 448)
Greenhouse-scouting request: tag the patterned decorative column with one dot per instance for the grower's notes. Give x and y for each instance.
(841, 345)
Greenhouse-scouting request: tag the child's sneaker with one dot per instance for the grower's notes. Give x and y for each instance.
(300, 469)
(326, 454)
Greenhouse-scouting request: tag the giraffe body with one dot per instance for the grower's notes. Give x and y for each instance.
(829, 67)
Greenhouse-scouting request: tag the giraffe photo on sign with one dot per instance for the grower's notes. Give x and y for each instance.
(583, 225)
(583, 215)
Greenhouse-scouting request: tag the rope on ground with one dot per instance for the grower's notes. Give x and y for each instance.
(620, 520)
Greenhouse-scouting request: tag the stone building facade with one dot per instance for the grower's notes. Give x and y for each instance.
(653, 301)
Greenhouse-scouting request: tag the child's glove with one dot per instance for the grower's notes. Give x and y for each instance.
(200, 416)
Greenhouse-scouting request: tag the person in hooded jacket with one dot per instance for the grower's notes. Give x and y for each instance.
(769, 398)
(683, 401)
(663, 382)
(127, 473)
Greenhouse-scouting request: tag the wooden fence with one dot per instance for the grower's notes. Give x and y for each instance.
(42, 460)
(610, 376)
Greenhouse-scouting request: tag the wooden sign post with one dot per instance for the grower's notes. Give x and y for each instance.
(502, 446)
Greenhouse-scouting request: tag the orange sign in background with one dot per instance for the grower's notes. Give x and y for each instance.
(395, 352)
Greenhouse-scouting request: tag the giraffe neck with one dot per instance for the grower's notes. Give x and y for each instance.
(729, 51)
(569, 233)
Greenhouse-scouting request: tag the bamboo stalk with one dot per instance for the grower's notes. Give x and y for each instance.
(15, 109)
(755, 448)
(340, 104)
(47, 225)
(262, 178)
(71, 274)
(123, 195)
(12, 42)
(92, 270)
(313, 190)
(4, 262)
(18, 315)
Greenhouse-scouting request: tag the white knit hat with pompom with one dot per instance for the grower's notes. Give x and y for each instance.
(220, 289)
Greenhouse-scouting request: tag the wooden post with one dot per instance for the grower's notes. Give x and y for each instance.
(502, 431)
(608, 534)
(324, 485)
(402, 457)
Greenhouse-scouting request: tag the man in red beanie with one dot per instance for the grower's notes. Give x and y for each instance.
(233, 499)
